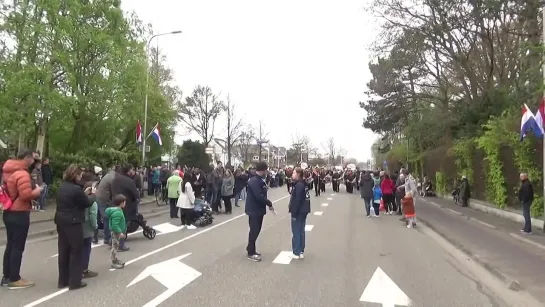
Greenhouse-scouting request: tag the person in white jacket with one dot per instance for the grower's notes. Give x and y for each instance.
(186, 203)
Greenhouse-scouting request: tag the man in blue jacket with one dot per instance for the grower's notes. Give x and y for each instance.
(256, 207)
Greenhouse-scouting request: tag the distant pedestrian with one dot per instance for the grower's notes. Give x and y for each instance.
(408, 209)
(255, 208)
(299, 207)
(89, 228)
(173, 192)
(526, 197)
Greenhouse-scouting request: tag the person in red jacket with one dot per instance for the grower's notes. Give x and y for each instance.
(15, 175)
(387, 186)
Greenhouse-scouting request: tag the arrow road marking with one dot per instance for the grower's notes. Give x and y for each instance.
(309, 227)
(172, 274)
(381, 289)
(318, 213)
(325, 204)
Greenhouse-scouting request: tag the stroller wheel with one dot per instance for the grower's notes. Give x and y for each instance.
(147, 234)
(153, 233)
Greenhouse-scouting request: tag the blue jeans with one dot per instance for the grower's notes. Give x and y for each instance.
(209, 195)
(86, 254)
(43, 198)
(298, 231)
(527, 218)
(237, 197)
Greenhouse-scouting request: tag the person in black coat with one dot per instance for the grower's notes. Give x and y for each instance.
(123, 184)
(526, 197)
(299, 208)
(69, 218)
(256, 204)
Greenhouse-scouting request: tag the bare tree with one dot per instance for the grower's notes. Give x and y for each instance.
(261, 138)
(299, 145)
(234, 129)
(330, 148)
(200, 111)
(246, 140)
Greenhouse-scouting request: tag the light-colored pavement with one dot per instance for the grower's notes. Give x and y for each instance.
(344, 251)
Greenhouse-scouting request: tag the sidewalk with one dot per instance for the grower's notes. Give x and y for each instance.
(492, 241)
(41, 223)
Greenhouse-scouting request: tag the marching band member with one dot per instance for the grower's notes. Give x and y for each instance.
(335, 180)
(349, 181)
(316, 180)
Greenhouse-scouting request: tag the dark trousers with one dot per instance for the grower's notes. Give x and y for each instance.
(227, 202)
(255, 222)
(298, 233)
(527, 218)
(317, 188)
(70, 243)
(322, 186)
(86, 254)
(173, 209)
(335, 185)
(367, 201)
(389, 202)
(17, 224)
(187, 216)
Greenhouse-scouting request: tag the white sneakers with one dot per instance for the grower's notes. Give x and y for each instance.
(301, 256)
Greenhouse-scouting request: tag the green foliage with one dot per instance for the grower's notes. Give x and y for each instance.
(464, 151)
(496, 134)
(74, 80)
(441, 183)
(192, 154)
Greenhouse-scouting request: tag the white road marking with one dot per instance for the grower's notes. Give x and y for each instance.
(332, 194)
(325, 204)
(453, 211)
(484, 223)
(166, 228)
(172, 274)
(55, 294)
(523, 239)
(283, 257)
(309, 227)
(381, 289)
(318, 213)
(329, 198)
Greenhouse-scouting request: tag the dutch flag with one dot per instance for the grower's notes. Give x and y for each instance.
(156, 134)
(528, 122)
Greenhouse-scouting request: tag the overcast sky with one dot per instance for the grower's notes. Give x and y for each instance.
(298, 66)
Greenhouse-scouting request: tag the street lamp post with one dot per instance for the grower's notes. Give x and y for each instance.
(146, 92)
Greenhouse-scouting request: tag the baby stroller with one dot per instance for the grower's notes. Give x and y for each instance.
(133, 226)
(203, 213)
(456, 196)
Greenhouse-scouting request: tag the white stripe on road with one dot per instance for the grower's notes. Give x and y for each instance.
(283, 258)
(453, 211)
(309, 227)
(483, 223)
(332, 194)
(329, 198)
(55, 294)
(325, 204)
(318, 213)
(523, 239)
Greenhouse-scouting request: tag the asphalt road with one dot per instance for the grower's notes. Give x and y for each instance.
(346, 253)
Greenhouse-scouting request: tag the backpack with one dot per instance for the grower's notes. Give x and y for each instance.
(5, 200)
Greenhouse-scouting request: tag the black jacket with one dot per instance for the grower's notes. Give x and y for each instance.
(123, 184)
(256, 198)
(526, 192)
(47, 174)
(299, 199)
(71, 204)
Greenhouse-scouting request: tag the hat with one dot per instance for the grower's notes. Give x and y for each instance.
(98, 169)
(261, 166)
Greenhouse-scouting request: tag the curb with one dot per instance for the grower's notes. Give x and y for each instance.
(510, 283)
(145, 204)
(52, 232)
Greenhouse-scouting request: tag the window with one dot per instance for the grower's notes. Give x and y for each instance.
(255, 158)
